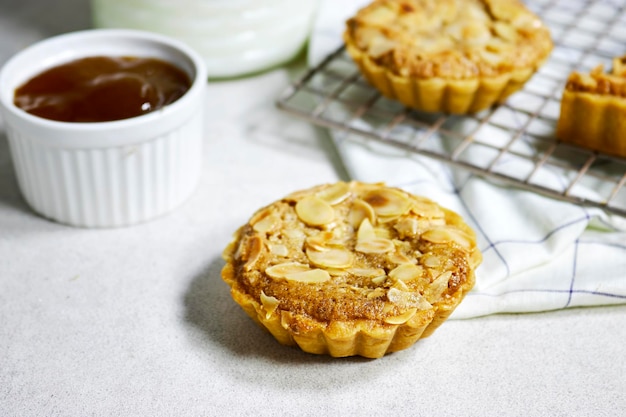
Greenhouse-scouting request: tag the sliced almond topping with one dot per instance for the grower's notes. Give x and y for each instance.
(366, 231)
(490, 57)
(295, 234)
(278, 249)
(447, 235)
(432, 261)
(425, 224)
(380, 45)
(284, 269)
(398, 258)
(337, 272)
(320, 241)
(335, 194)
(252, 252)
(375, 293)
(406, 299)
(367, 272)
(267, 224)
(361, 210)
(438, 286)
(406, 272)
(407, 227)
(375, 245)
(387, 308)
(260, 215)
(388, 202)
(383, 232)
(314, 211)
(379, 279)
(505, 31)
(270, 304)
(387, 219)
(331, 258)
(402, 318)
(401, 285)
(425, 208)
(310, 276)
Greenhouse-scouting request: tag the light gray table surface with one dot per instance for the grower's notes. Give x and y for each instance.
(137, 321)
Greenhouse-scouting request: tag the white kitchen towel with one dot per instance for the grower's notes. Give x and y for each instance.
(539, 254)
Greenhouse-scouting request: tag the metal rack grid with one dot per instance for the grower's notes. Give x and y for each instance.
(513, 142)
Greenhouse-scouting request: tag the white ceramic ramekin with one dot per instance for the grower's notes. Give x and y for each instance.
(235, 37)
(106, 174)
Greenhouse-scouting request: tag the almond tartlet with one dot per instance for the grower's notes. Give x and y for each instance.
(349, 269)
(593, 109)
(452, 56)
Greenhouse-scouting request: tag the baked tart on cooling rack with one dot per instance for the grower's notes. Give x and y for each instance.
(454, 56)
(351, 269)
(593, 109)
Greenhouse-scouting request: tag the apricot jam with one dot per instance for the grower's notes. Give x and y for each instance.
(102, 88)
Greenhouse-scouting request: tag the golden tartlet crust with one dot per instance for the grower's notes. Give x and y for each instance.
(350, 269)
(454, 56)
(593, 109)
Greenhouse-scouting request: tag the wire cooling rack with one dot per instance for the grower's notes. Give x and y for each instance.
(514, 141)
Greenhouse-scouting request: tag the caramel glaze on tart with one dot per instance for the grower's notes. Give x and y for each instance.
(351, 268)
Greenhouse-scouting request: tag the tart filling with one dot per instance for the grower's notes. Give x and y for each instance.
(593, 109)
(455, 56)
(351, 268)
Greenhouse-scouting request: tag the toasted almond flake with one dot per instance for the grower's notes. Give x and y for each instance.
(406, 272)
(252, 252)
(402, 318)
(401, 285)
(314, 211)
(335, 194)
(399, 258)
(260, 215)
(407, 227)
(505, 31)
(375, 245)
(432, 261)
(282, 270)
(426, 224)
(337, 272)
(367, 272)
(406, 299)
(402, 245)
(447, 235)
(388, 202)
(361, 210)
(379, 279)
(270, 304)
(380, 46)
(267, 224)
(387, 308)
(320, 241)
(378, 292)
(278, 249)
(490, 57)
(309, 277)
(294, 234)
(426, 208)
(382, 232)
(366, 231)
(331, 258)
(438, 286)
(387, 219)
